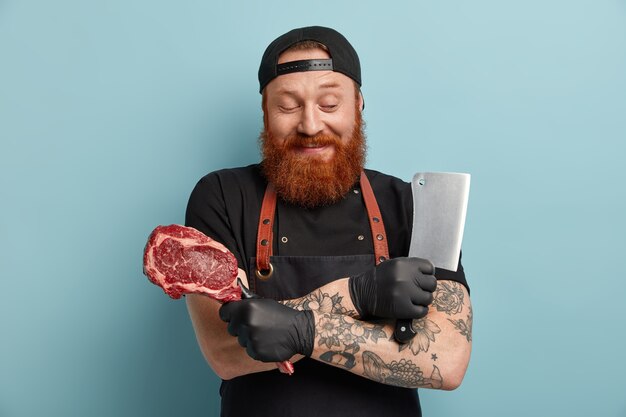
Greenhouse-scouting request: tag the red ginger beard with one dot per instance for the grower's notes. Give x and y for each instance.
(308, 181)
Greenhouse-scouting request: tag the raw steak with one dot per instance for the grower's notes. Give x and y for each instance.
(182, 260)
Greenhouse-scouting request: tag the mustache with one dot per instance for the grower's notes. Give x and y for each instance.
(298, 140)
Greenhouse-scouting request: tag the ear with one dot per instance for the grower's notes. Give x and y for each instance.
(361, 102)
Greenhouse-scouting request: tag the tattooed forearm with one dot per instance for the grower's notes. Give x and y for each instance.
(369, 350)
(403, 373)
(344, 338)
(425, 331)
(448, 297)
(322, 302)
(464, 327)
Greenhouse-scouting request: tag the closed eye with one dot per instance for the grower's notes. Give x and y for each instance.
(288, 109)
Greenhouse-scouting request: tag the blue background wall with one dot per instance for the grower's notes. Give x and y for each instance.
(111, 111)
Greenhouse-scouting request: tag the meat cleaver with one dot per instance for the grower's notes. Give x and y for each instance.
(439, 209)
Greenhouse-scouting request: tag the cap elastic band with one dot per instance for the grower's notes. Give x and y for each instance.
(305, 65)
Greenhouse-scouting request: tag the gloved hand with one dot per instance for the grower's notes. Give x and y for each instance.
(270, 331)
(400, 288)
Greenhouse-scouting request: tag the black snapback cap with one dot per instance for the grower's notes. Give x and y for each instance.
(343, 57)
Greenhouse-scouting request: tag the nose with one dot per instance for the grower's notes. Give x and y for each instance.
(310, 122)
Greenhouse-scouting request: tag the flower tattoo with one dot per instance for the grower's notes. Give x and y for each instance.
(425, 331)
(448, 297)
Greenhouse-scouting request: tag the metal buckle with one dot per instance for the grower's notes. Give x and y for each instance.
(263, 277)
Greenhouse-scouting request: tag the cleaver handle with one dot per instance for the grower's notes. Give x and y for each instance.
(404, 330)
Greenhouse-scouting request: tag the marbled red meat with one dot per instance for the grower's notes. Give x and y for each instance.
(182, 260)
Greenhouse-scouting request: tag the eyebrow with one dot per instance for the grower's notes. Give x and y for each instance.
(290, 92)
(330, 85)
(285, 91)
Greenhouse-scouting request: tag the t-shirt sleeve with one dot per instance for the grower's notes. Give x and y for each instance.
(206, 212)
(458, 275)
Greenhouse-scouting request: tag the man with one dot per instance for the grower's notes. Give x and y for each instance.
(323, 243)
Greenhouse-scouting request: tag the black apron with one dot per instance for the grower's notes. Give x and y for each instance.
(315, 389)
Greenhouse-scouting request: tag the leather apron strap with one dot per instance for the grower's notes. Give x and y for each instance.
(379, 237)
(264, 268)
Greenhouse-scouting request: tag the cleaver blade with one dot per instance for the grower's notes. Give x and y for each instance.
(439, 211)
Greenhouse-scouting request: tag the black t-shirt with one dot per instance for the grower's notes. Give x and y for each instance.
(225, 205)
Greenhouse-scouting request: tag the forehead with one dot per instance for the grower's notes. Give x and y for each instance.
(308, 81)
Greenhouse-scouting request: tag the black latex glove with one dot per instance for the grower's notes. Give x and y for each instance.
(400, 288)
(270, 331)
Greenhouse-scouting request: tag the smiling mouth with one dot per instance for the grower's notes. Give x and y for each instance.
(311, 147)
(318, 150)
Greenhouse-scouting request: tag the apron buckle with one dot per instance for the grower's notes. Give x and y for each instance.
(264, 276)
